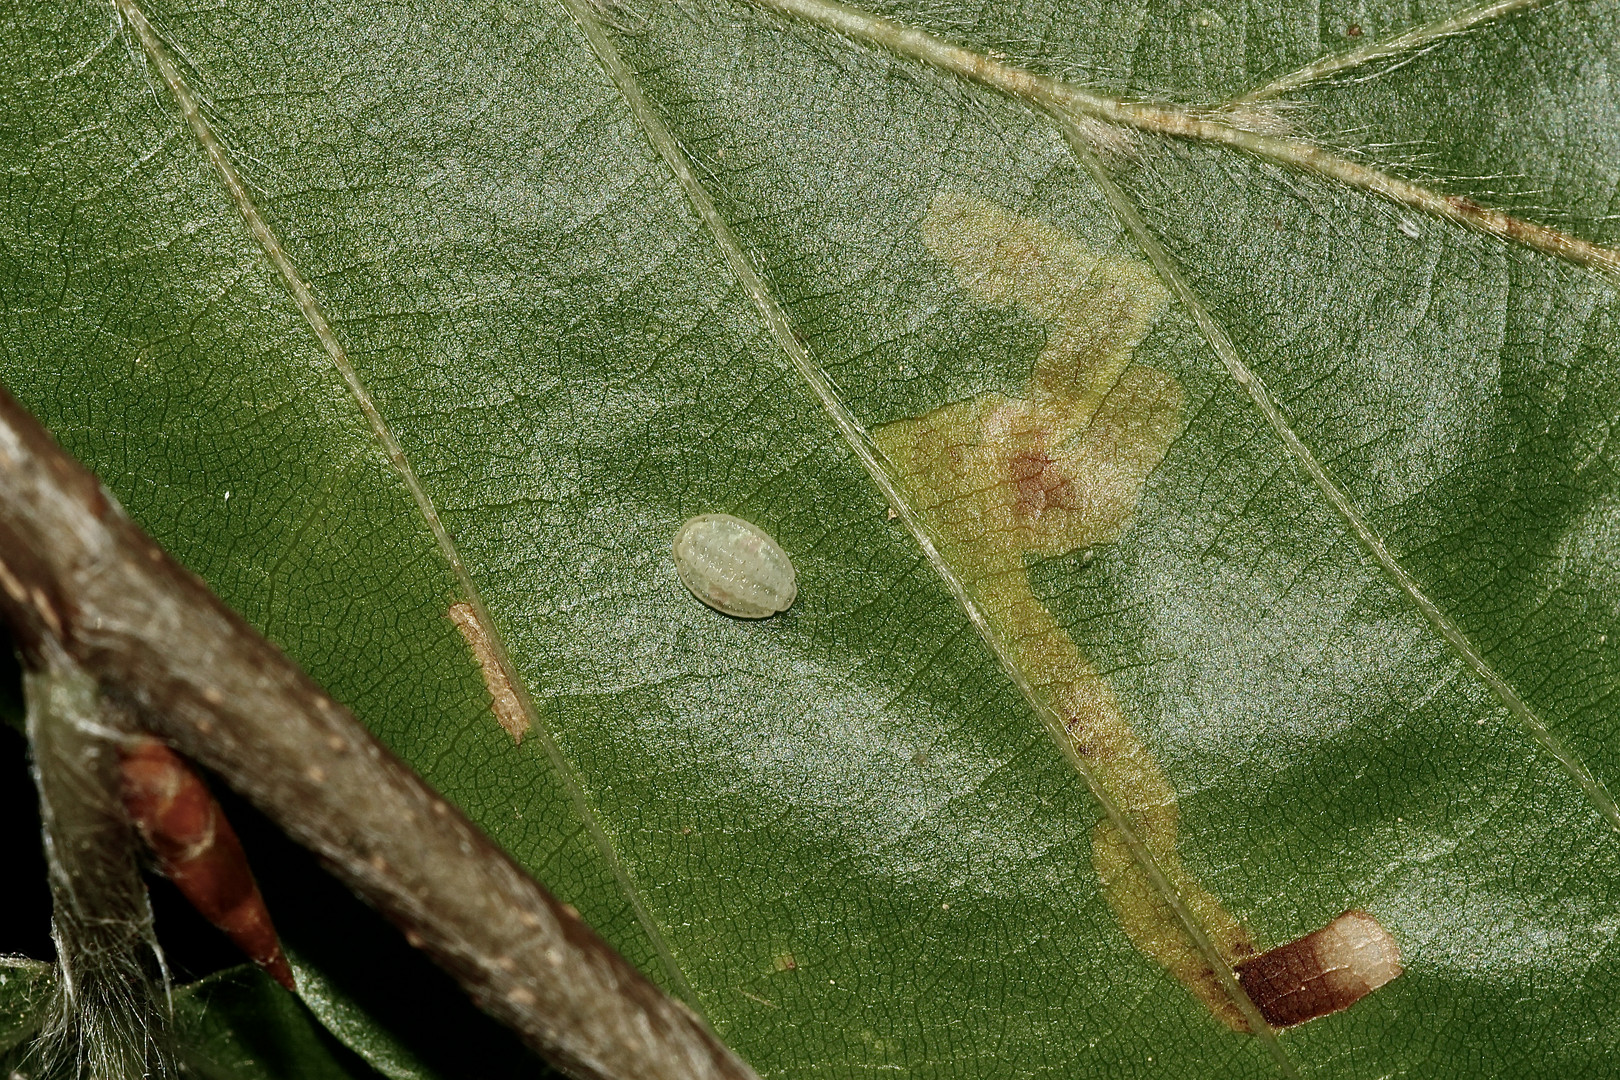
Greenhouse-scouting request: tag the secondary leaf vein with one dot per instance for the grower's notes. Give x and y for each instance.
(1409, 44)
(1222, 344)
(1194, 124)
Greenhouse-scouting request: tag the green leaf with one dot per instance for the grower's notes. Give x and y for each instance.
(239, 1025)
(25, 987)
(1356, 620)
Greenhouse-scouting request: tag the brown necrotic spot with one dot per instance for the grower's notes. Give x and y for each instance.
(1041, 482)
(1322, 972)
(508, 709)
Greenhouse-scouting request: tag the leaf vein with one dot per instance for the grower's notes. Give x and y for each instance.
(1412, 44)
(1194, 124)
(781, 330)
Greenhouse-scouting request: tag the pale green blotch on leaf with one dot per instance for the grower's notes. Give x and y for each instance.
(1000, 479)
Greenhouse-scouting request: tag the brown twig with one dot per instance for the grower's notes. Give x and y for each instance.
(77, 574)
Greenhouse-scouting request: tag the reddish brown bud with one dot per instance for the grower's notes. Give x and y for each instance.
(197, 849)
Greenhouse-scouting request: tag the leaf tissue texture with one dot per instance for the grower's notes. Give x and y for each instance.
(1361, 621)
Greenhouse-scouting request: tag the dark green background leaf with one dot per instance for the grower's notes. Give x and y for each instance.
(572, 371)
(24, 992)
(238, 1025)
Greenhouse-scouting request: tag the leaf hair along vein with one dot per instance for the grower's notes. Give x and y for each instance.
(1409, 45)
(1193, 124)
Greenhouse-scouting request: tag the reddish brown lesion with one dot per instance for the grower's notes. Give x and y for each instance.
(197, 849)
(1039, 481)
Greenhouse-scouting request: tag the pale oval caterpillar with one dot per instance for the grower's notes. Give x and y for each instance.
(734, 566)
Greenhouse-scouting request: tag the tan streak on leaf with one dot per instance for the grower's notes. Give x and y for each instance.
(508, 710)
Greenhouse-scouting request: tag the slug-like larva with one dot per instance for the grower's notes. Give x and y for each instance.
(734, 566)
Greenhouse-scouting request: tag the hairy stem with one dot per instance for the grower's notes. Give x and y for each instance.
(110, 1016)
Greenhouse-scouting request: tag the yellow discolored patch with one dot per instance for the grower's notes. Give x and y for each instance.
(508, 709)
(1000, 480)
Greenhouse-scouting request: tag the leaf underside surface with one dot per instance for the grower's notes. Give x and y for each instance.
(845, 833)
